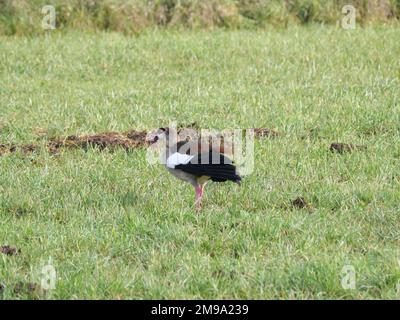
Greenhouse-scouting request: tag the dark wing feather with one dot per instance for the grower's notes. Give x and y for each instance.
(212, 164)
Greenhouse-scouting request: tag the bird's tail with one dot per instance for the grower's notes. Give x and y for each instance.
(223, 172)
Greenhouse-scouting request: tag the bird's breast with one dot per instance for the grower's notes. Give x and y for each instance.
(187, 177)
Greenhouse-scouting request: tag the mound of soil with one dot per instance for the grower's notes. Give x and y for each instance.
(7, 250)
(301, 203)
(108, 140)
(265, 132)
(25, 288)
(344, 147)
(128, 140)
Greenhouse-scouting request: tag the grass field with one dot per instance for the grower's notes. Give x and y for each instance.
(116, 227)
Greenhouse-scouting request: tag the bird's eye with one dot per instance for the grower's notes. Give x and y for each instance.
(155, 139)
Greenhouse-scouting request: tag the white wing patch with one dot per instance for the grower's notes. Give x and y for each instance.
(177, 159)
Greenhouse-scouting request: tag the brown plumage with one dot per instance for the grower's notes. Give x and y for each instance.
(196, 161)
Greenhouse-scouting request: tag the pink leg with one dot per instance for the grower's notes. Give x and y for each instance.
(199, 195)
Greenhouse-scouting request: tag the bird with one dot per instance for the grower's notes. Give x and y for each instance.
(194, 162)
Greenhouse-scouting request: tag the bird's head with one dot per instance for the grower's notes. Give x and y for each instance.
(160, 134)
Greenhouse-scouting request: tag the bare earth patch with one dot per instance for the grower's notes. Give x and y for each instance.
(7, 250)
(344, 147)
(128, 140)
(26, 288)
(265, 132)
(301, 203)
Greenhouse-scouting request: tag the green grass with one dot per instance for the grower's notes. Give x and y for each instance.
(116, 227)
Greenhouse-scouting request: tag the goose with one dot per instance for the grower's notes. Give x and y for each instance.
(194, 162)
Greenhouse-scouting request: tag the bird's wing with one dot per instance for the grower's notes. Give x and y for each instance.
(178, 159)
(199, 146)
(212, 164)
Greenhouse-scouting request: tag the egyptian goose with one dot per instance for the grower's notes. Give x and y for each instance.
(194, 162)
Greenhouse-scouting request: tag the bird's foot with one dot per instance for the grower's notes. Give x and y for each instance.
(198, 206)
